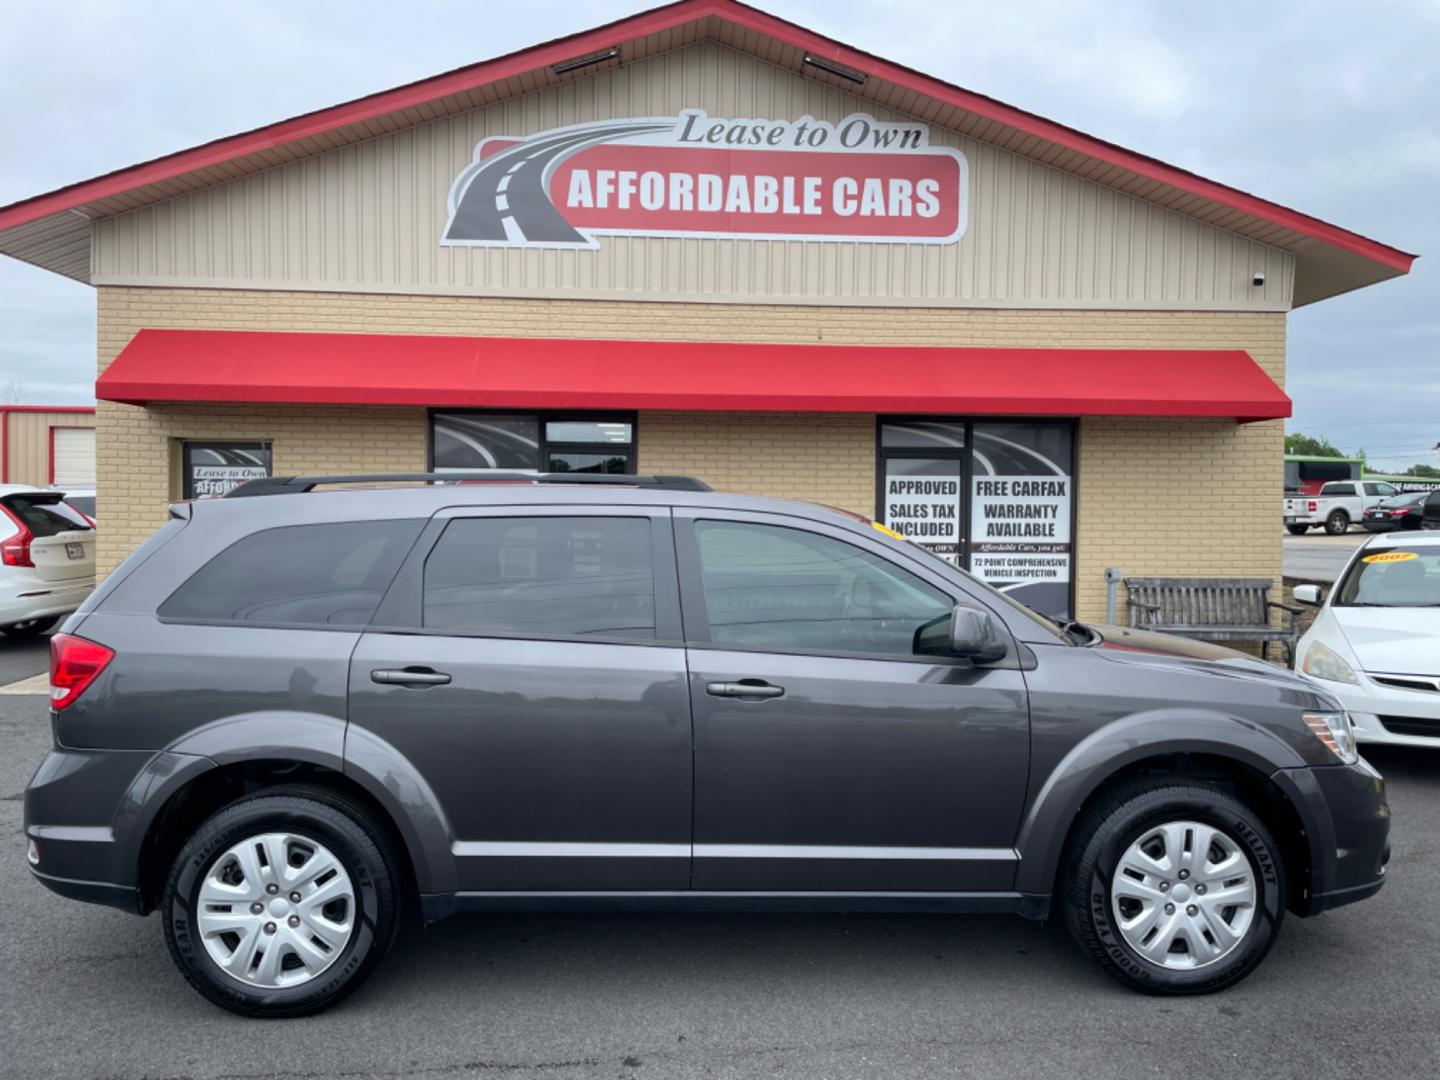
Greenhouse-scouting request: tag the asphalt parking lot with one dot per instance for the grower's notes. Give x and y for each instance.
(88, 992)
(1317, 557)
(21, 658)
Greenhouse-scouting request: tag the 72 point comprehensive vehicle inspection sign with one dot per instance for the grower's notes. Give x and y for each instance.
(859, 180)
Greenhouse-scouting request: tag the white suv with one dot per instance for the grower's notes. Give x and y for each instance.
(47, 559)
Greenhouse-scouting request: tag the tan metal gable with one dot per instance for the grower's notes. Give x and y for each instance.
(368, 217)
(53, 230)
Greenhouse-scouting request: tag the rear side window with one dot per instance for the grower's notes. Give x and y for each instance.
(583, 577)
(45, 518)
(302, 575)
(1339, 489)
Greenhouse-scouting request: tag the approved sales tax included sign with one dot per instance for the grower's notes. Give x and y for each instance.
(692, 175)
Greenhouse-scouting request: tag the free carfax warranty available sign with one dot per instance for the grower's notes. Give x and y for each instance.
(694, 175)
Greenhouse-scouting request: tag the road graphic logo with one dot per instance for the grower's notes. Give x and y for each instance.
(860, 180)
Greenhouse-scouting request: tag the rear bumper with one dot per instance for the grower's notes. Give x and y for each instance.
(40, 600)
(126, 898)
(87, 813)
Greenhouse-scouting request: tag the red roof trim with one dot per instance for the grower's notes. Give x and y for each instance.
(351, 112)
(48, 408)
(1070, 138)
(662, 18)
(561, 373)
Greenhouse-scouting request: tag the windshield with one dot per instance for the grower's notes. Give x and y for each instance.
(45, 515)
(1392, 577)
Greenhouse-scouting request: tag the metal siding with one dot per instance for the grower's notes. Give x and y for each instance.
(27, 450)
(368, 217)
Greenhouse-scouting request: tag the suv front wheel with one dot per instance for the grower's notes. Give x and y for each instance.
(282, 903)
(1175, 888)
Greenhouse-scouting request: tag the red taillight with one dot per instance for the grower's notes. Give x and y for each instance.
(74, 664)
(1314, 506)
(1401, 512)
(15, 551)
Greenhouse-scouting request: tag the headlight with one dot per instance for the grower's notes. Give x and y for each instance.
(1324, 662)
(1334, 730)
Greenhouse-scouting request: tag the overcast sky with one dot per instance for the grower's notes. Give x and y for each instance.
(1326, 107)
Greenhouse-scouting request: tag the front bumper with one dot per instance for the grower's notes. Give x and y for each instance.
(1347, 818)
(1389, 715)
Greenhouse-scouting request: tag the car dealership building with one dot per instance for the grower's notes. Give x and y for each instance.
(703, 240)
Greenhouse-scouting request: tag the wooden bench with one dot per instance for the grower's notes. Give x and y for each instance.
(1213, 609)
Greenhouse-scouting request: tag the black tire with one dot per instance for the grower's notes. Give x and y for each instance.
(1297, 530)
(30, 628)
(1118, 821)
(1338, 523)
(320, 815)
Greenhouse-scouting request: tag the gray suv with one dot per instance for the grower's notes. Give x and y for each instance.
(291, 714)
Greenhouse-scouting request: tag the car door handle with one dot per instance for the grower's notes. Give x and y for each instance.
(410, 676)
(751, 689)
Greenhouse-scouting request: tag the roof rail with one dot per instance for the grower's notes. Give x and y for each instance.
(294, 485)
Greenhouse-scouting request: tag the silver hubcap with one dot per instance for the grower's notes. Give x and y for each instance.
(276, 910)
(1183, 895)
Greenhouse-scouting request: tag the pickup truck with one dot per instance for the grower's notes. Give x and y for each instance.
(1338, 505)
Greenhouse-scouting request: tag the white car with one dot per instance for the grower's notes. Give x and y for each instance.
(47, 559)
(1376, 642)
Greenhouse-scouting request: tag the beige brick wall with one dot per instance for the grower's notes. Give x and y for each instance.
(826, 457)
(137, 455)
(1156, 496)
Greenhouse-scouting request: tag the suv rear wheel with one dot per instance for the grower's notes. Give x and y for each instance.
(1175, 888)
(282, 903)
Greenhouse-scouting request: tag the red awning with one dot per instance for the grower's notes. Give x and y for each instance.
(535, 373)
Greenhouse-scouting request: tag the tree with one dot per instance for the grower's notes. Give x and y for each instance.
(1297, 443)
(1422, 470)
(13, 393)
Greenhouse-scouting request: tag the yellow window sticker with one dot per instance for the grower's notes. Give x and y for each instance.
(1391, 556)
(888, 531)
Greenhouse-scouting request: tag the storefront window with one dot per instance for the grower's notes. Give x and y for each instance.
(210, 469)
(993, 496)
(532, 442)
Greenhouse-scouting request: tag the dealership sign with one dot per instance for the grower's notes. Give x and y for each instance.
(692, 175)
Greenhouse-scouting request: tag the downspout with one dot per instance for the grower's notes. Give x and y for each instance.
(1112, 585)
(4, 445)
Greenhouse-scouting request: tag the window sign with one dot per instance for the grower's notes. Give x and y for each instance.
(1020, 511)
(922, 503)
(922, 477)
(993, 497)
(211, 469)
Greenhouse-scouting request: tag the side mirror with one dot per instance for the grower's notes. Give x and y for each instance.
(1309, 595)
(974, 635)
(966, 632)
